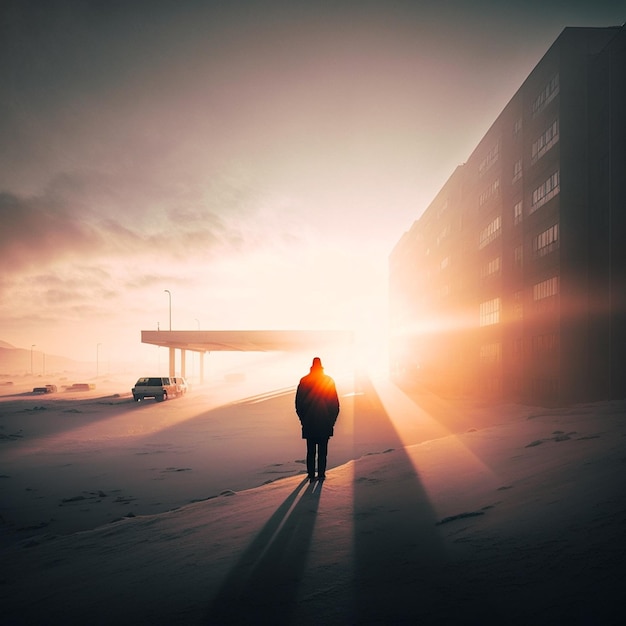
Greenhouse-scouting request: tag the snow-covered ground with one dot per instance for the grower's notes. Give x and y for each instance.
(195, 511)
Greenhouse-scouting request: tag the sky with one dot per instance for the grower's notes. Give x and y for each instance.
(258, 160)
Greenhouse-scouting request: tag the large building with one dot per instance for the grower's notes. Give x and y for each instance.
(512, 283)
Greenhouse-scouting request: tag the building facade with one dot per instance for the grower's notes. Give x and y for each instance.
(512, 283)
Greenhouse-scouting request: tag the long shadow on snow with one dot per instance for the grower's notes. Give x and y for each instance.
(262, 587)
(401, 572)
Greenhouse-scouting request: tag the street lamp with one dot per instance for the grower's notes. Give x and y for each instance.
(167, 291)
(31, 358)
(198, 321)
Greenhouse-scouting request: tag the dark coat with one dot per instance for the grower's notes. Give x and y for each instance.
(317, 405)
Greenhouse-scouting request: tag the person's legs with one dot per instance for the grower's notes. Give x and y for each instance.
(310, 457)
(322, 453)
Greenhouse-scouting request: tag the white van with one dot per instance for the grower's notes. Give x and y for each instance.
(158, 387)
(181, 385)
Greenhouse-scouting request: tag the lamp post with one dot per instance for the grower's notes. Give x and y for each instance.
(198, 322)
(98, 359)
(31, 358)
(167, 291)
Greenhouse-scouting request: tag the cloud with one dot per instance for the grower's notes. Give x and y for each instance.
(98, 248)
(36, 230)
(93, 215)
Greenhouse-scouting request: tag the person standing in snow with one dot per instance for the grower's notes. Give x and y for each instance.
(317, 407)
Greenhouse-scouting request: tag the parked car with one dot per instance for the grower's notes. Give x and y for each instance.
(158, 387)
(181, 385)
(46, 389)
(80, 387)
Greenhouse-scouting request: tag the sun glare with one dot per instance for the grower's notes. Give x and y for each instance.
(415, 424)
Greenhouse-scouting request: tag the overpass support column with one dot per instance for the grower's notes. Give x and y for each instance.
(183, 359)
(201, 367)
(172, 372)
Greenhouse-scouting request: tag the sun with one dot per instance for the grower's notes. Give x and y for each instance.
(371, 344)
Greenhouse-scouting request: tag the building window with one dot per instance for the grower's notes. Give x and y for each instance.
(518, 214)
(548, 93)
(545, 191)
(517, 127)
(517, 170)
(492, 386)
(443, 234)
(548, 139)
(492, 191)
(490, 232)
(546, 288)
(546, 242)
(518, 305)
(490, 159)
(491, 268)
(490, 353)
(444, 263)
(543, 345)
(546, 388)
(490, 312)
(518, 257)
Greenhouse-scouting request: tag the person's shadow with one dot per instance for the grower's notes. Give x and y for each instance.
(262, 587)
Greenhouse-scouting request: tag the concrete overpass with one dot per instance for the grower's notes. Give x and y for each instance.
(204, 341)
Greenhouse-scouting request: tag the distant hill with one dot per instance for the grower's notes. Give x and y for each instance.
(17, 362)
